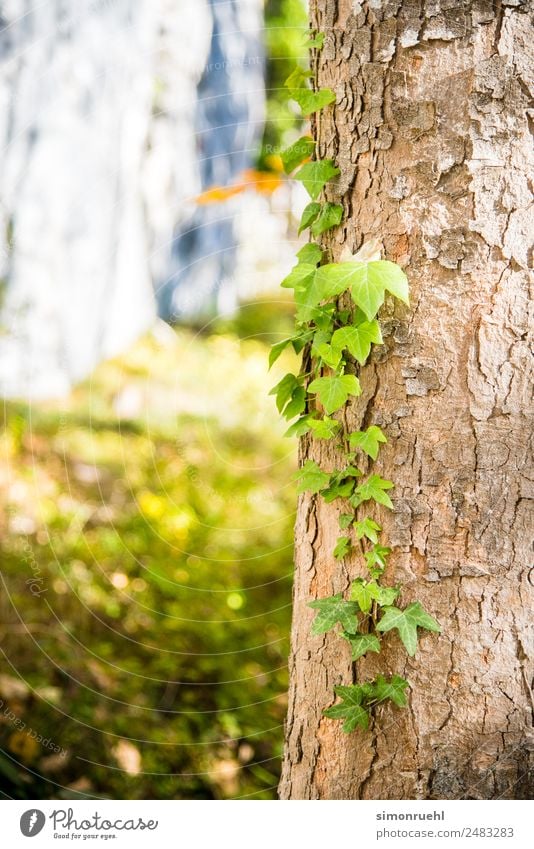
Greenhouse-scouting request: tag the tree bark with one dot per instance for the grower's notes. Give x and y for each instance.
(431, 134)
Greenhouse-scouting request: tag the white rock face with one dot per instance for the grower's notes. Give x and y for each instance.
(100, 165)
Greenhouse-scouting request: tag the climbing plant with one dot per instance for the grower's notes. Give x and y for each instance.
(336, 326)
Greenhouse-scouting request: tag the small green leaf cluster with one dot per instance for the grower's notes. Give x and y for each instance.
(337, 342)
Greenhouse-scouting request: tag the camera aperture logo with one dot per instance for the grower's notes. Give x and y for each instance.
(32, 822)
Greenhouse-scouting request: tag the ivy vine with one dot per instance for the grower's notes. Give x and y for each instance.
(334, 341)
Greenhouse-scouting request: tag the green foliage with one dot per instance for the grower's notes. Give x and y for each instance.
(330, 215)
(296, 153)
(367, 528)
(362, 643)
(373, 489)
(312, 101)
(358, 339)
(334, 391)
(315, 175)
(316, 42)
(368, 440)
(342, 547)
(350, 710)
(311, 478)
(406, 623)
(310, 213)
(164, 615)
(331, 611)
(325, 428)
(337, 332)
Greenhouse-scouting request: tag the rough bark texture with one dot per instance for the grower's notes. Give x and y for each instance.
(430, 131)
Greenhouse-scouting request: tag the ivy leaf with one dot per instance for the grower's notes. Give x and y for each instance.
(361, 643)
(358, 339)
(406, 623)
(331, 611)
(373, 489)
(312, 101)
(330, 216)
(393, 689)
(330, 355)
(298, 341)
(370, 280)
(311, 477)
(298, 78)
(296, 153)
(367, 528)
(377, 556)
(325, 428)
(345, 520)
(350, 710)
(311, 211)
(297, 403)
(299, 276)
(284, 390)
(342, 548)
(362, 593)
(299, 428)
(368, 440)
(310, 254)
(277, 349)
(316, 41)
(334, 391)
(386, 595)
(315, 175)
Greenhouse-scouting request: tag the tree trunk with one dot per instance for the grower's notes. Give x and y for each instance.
(431, 135)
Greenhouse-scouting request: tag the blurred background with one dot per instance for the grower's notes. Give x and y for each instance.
(146, 497)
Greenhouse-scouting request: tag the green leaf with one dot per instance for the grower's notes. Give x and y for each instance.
(299, 428)
(311, 211)
(310, 254)
(325, 428)
(311, 477)
(393, 279)
(358, 339)
(329, 355)
(298, 78)
(334, 391)
(367, 440)
(377, 556)
(406, 623)
(277, 349)
(316, 41)
(312, 101)
(296, 153)
(284, 390)
(330, 216)
(393, 689)
(362, 593)
(299, 276)
(361, 643)
(370, 280)
(342, 548)
(315, 175)
(350, 710)
(386, 595)
(367, 528)
(331, 611)
(373, 489)
(297, 403)
(345, 520)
